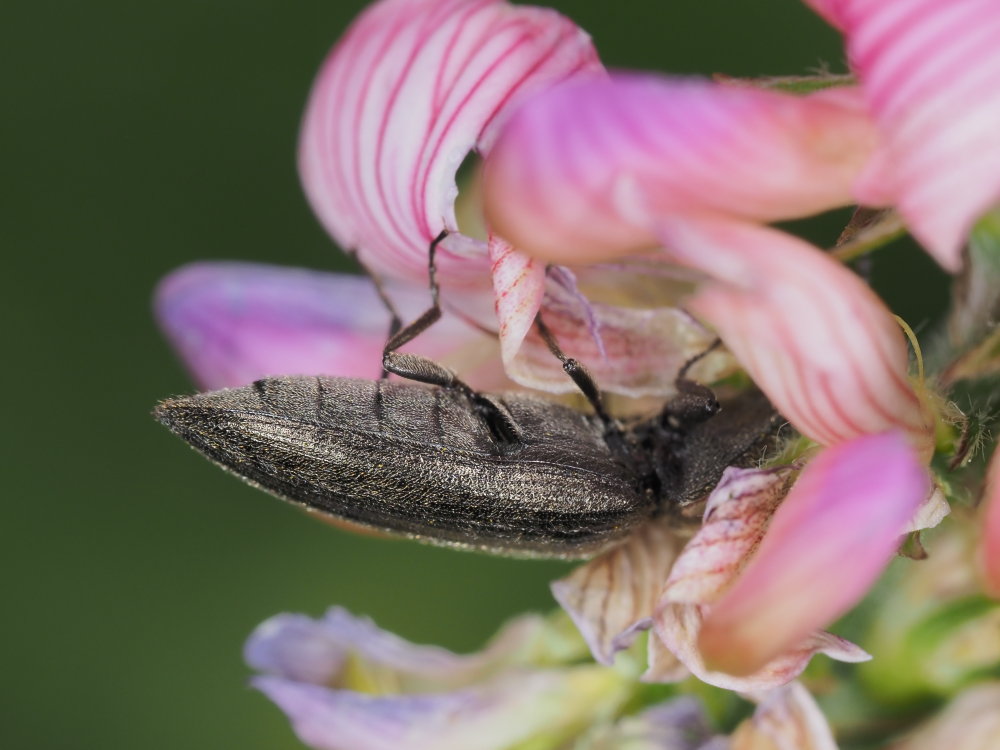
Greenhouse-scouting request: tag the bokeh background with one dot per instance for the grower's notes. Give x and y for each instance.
(142, 135)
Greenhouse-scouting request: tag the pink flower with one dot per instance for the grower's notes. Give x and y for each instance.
(595, 167)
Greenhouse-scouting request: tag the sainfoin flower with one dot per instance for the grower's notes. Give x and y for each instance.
(633, 182)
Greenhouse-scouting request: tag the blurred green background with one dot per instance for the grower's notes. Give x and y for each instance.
(141, 136)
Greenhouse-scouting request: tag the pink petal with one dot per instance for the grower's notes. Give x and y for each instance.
(581, 171)
(990, 549)
(932, 511)
(814, 337)
(518, 288)
(786, 718)
(611, 598)
(232, 323)
(411, 88)
(678, 627)
(929, 69)
(736, 516)
(829, 540)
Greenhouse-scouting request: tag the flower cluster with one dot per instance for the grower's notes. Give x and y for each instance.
(632, 212)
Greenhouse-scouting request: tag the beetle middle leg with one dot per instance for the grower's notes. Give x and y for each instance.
(587, 385)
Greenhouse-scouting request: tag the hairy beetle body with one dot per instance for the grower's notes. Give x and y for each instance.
(419, 462)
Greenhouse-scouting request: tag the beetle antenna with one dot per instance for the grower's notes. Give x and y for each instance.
(682, 373)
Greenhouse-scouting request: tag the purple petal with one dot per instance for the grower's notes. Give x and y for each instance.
(314, 651)
(232, 323)
(490, 716)
(677, 724)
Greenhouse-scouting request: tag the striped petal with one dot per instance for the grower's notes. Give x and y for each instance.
(990, 545)
(785, 719)
(629, 350)
(737, 515)
(611, 598)
(827, 542)
(821, 345)
(929, 69)
(232, 323)
(678, 626)
(410, 90)
(581, 171)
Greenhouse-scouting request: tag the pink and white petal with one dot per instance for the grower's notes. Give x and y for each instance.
(831, 537)
(581, 170)
(632, 351)
(518, 288)
(928, 69)
(990, 543)
(815, 338)
(303, 649)
(736, 516)
(232, 323)
(678, 626)
(662, 664)
(785, 719)
(407, 93)
(611, 598)
(932, 511)
(491, 716)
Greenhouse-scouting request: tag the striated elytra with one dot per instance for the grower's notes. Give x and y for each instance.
(423, 463)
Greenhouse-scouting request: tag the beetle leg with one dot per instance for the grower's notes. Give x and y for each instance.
(413, 366)
(583, 379)
(424, 370)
